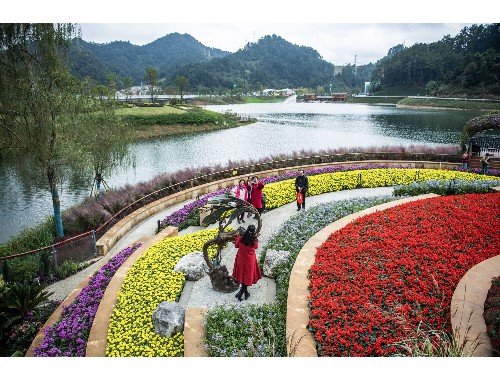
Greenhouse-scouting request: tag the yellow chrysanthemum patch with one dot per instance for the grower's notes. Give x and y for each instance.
(280, 193)
(150, 281)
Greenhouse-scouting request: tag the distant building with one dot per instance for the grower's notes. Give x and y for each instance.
(273, 92)
(334, 97)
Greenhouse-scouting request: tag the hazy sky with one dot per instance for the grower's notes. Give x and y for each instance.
(337, 43)
(338, 30)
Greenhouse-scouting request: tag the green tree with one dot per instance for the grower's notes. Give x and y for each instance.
(127, 83)
(151, 78)
(181, 83)
(37, 100)
(105, 137)
(113, 81)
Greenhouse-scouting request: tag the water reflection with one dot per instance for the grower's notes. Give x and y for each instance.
(282, 128)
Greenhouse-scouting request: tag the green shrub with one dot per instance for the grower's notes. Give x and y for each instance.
(2, 286)
(19, 299)
(23, 268)
(30, 239)
(20, 337)
(199, 117)
(66, 269)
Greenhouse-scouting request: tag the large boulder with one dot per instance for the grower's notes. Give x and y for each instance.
(168, 319)
(272, 260)
(193, 265)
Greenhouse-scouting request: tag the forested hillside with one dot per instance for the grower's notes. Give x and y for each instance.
(270, 62)
(128, 60)
(465, 65)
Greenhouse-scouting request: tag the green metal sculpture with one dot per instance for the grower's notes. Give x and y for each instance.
(225, 209)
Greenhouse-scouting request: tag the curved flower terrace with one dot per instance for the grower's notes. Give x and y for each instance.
(384, 274)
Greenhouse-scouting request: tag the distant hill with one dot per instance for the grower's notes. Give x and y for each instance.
(465, 65)
(270, 62)
(128, 60)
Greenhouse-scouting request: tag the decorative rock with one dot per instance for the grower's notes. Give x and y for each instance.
(168, 319)
(192, 265)
(273, 258)
(222, 281)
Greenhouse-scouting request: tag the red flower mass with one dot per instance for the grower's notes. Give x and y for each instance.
(383, 274)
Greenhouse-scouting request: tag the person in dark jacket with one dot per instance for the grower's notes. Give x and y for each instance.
(301, 184)
(246, 269)
(485, 163)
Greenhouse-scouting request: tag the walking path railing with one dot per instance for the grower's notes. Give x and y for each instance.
(56, 251)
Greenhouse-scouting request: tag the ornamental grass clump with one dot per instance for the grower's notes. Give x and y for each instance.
(69, 335)
(148, 282)
(428, 342)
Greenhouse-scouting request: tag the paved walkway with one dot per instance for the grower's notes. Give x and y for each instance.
(142, 231)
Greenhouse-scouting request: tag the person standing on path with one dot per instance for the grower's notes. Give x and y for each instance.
(240, 191)
(246, 269)
(301, 185)
(465, 160)
(485, 163)
(255, 188)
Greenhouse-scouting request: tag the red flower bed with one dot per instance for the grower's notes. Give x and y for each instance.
(386, 272)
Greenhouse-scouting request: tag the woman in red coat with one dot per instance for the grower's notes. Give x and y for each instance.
(246, 269)
(255, 189)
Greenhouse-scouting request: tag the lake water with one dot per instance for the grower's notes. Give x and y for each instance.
(281, 128)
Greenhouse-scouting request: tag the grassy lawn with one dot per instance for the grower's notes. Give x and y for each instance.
(141, 111)
(266, 99)
(375, 100)
(449, 103)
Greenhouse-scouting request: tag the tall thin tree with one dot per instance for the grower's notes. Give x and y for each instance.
(36, 99)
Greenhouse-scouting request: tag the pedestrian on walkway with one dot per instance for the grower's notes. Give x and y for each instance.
(465, 160)
(485, 163)
(255, 188)
(301, 186)
(246, 269)
(240, 191)
(249, 188)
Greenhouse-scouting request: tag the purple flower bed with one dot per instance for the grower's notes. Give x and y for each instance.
(494, 173)
(68, 336)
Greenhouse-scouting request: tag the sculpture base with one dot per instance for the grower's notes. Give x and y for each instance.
(222, 281)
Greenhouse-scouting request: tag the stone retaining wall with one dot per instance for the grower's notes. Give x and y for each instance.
(467, 307)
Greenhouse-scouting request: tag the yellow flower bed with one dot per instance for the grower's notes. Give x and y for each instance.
(150, 281)
(280, 193)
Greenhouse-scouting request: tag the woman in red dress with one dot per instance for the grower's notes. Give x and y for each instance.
(246, 269)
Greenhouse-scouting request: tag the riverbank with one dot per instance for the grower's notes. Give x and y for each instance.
(429, 102)
(222, 100)
(449, 103)
(152, 122)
